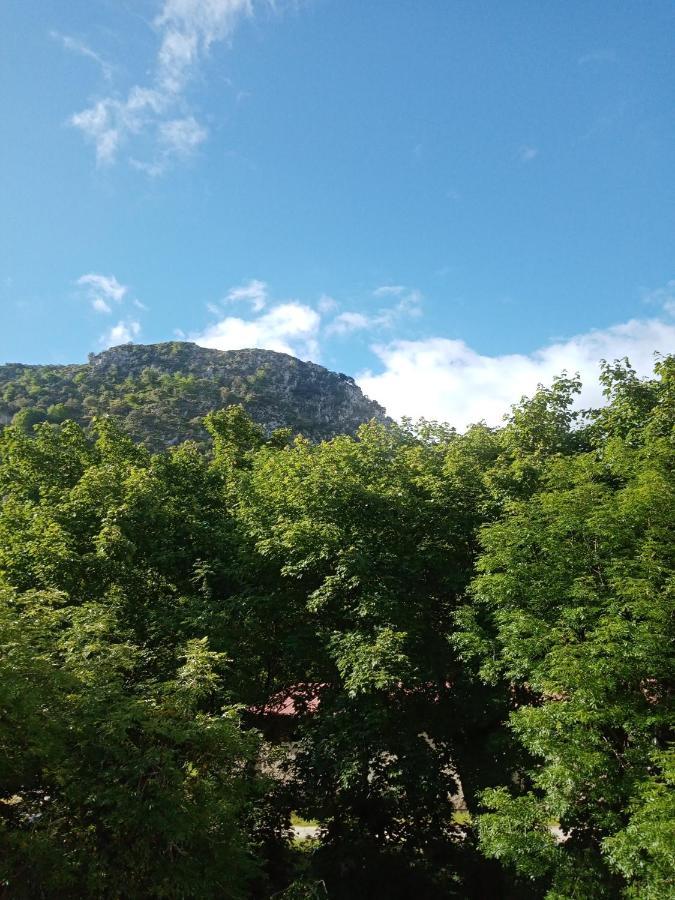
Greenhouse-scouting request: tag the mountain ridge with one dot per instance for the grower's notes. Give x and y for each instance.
(161, 391)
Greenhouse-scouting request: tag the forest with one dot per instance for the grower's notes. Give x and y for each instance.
(451, 653)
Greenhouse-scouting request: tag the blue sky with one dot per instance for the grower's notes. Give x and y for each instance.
(451, 201)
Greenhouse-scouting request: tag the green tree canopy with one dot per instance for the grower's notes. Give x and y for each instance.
(573, 609)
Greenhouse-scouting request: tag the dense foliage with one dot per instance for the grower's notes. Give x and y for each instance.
(452, 651)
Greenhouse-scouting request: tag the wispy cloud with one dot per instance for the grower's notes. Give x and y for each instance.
(74, 45)
(181, 136)
(175, 139)
(348, 322)
(389, 290)
(662, 296)
(105, 293)
(408, 304)
(597, 56)
(253, 292)
(447, 380)
(102, 290)
(327, 304)
(186, 30)
(527, 153)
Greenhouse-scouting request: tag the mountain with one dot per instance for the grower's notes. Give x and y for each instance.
(161, 391)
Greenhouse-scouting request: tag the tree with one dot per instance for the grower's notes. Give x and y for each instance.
(574, 611)
(369, 544)
(114, 783)
(125, 768)
(472, 633)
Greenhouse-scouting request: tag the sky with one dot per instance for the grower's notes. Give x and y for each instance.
(450, 201)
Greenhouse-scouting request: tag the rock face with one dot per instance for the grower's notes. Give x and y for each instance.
(161, 391)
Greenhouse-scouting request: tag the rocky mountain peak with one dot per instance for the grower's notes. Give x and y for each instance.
(161, 391)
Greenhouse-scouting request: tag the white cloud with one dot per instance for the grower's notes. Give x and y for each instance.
(289, 327)
(74, 45)
(663, 297)
(408, 304)
(389, 290)
(176, 139)
(101, 290)
(527, 154)
(347, 322)
(122, 333)
(439, 378)
(186, 30)
(97, 123)
(182, 136)
(446, 380)
(196, 24)
(327, 304)
(99, 304)
(107, 285)
(254, 292)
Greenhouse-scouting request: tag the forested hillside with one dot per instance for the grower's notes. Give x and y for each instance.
(160, 393)
(466, 637)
